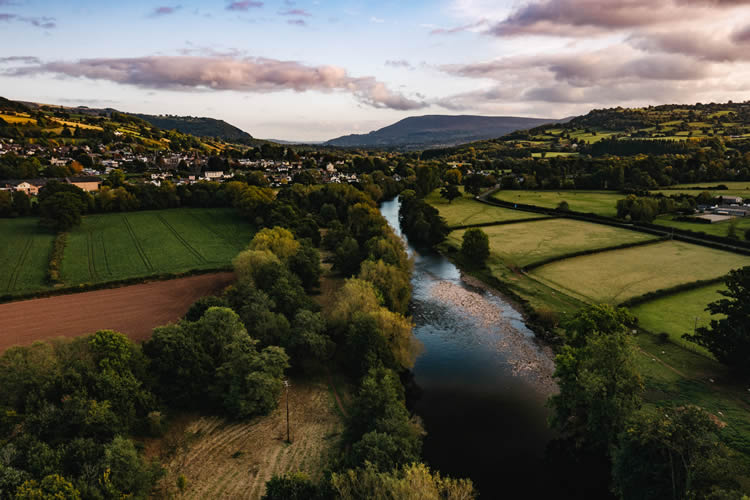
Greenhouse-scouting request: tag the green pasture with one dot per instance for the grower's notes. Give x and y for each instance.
(619, 275)
(466, 210)
(598, 202)
(24, 254)
(679, 313)
(716, 229)
(524, 243)
(116, 246)
(735, 188)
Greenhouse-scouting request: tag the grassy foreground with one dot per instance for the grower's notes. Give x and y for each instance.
(597, 202)
(466, 210)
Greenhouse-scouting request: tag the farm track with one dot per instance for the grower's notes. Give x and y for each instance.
(133, 310)
(182, 240)
(137, 244)
(13, 280)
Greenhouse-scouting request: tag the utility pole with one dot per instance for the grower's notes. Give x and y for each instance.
(286, 384)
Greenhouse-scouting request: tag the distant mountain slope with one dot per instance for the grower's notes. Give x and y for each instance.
(200, 127)
(8, 105)
(418, 132)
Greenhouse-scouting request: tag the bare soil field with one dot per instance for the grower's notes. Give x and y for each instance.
(133, 310)
(225, 459)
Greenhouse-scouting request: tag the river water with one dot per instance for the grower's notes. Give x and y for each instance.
(483, 382)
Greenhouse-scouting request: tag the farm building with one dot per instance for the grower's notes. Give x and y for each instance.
(88, 183)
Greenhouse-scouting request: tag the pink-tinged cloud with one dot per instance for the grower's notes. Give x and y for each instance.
(192, 73)
(580, 18)
(244, 5)
(165, 10)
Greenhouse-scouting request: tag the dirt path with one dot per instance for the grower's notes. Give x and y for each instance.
(133, 310)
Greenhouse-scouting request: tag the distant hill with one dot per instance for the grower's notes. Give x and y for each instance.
(200, 127)
(8, 105)
(419, 132)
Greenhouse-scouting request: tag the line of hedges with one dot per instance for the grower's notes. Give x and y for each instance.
(663, 292)
(591, 251)
(90, 287)
(501, 223)
(56, 257)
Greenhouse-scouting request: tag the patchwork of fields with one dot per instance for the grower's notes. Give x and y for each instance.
(530, 242)
(108, 247)
(597, 202)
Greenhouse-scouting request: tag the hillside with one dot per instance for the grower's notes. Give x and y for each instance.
(198, 126)
(418, 132)
(8, 105)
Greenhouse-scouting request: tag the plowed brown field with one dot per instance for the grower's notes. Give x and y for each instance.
(133, 310)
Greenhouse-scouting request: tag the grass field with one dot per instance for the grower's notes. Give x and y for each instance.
(716, 229)
(679, 313)
(16, 119)
(622, 274)
(735, 188)
(222, 459)
(466, 210)
(598, 202)
(24, 254)
(528, 242)
(121, 245)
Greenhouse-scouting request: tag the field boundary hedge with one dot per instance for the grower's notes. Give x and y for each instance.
(501, 222)
(591, 251)
(90, 287)
(664, 292)
(56, 257)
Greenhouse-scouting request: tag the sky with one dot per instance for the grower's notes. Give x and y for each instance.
(312, 70)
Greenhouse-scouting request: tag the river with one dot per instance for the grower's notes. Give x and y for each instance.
(483, 382)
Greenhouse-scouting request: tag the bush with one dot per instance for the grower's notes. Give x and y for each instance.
(475, 247)
(55, 258)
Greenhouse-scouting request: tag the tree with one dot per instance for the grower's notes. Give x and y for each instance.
(52, 487)
(452, 176)
(599, 384)
(563, 206)
(61, 211)
(728, 338)
(305, 263)
(278, 240)
(674, 453)
(393, 284)
(475, 247)
(450, 192)
(296, 486)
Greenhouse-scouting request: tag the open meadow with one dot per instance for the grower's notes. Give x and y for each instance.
(525, 243)
(24, 254)
(116, 246)
(716, 229)
(597, 202)
(619, 275)
(223, 459)
(466, 210)
(735, 188)
(679, 313)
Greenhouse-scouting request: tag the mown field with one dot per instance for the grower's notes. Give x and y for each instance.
(109, 247)
(737, 188)
(24, 254)
(525, 243)
(115, 246)
(466, 210)
(716, 229)
(598, 202)
(222, 459)
(679, 314)
(622, 274)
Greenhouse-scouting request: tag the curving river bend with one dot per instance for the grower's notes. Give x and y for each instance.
(483, 382)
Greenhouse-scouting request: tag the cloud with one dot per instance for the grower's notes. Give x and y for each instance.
(40, 22)
(459, 29)
(297, 22)
(20, 59)
(165, 10)
(194, 73)
(580, 18)
(722, 47)
(295, 12)
(400, 63)
(377, 20)
(244, 5)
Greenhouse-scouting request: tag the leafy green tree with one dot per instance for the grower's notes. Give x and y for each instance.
(52, 487)
(116, 178)
(453, 176)
(394, 284)
(61, 211)
(129, 474)
(278, 240)
(450, 192)
(475, 247)
(674, 453)
(599, 384)
(305, 263)
(347, 257)
(21, 204)
(563, 206)
(201, 305)
(728, 338)
(6, 203)
(296, 486)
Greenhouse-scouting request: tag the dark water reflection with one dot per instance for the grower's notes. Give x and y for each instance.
(483, 421)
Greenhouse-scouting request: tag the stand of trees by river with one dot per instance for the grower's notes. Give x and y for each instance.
(75, 412)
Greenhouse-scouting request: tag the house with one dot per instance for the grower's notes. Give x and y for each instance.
(29, 186)
(729, 200)
(87, 183)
